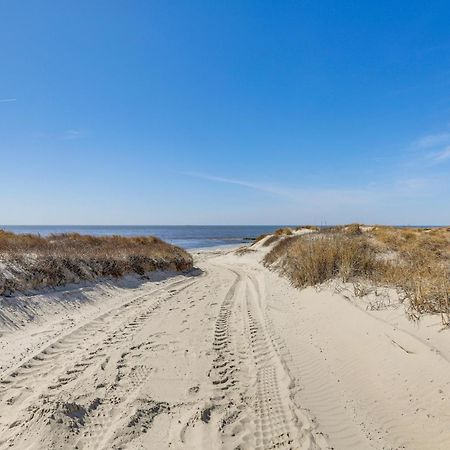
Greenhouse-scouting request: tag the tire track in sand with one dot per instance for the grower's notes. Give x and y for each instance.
(251, 404)
(280, 424)
(87, 344)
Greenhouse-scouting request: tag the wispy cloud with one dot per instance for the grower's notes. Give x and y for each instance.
(341, 196)
(67, 135)
(437, 146)
(8, 100)
(433, 140)
(394, 198)
(248, 184)
(443, 155)
(311, 195)
(73, 134)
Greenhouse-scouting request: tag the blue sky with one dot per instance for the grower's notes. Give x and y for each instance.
(236, 112)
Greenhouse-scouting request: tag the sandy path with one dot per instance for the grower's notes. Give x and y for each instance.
(232, 358)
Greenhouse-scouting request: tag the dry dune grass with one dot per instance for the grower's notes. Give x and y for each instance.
(277, 233)
(30, 261)
(271, 240)
(244, 250)
(259, 238)
(308, 227)
(283, 232)
(431, 242)
(415, 261)
(311, 261)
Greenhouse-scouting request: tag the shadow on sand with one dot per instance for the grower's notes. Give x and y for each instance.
(21, 308)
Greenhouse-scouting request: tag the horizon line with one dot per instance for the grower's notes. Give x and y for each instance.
(226, 225)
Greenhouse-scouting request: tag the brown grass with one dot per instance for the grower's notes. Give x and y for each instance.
(415, 261)
(308, 227)
(433, 243)
(244, 250)
(31, 261)
(312, 261)
(259, 238)
(354, 229)
(271, 240)
(283, 232)
(273, 237)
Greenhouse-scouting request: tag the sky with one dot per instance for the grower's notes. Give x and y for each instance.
(233, 112)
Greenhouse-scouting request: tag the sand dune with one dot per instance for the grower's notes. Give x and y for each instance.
(232, 357)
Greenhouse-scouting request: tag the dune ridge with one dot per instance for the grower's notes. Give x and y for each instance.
(29, 262)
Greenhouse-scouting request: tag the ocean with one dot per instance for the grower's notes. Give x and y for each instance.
(188, 237)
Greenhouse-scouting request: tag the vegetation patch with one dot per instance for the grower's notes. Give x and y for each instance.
(308, 227)
(283, 232)
(415, 261)
(260, 238)
(271, 240)
(244, 250)
(30, 261)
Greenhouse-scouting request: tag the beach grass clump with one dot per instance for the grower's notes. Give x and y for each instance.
(307, 227)
(283, 232)
(280, 232)
(244, 251)
(310, 261)
(415, 261)
(30, 261)
(260, 238)
(270, 240)
(354, 229)
(434, 243)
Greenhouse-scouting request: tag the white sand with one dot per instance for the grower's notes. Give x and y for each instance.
(233, 358)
